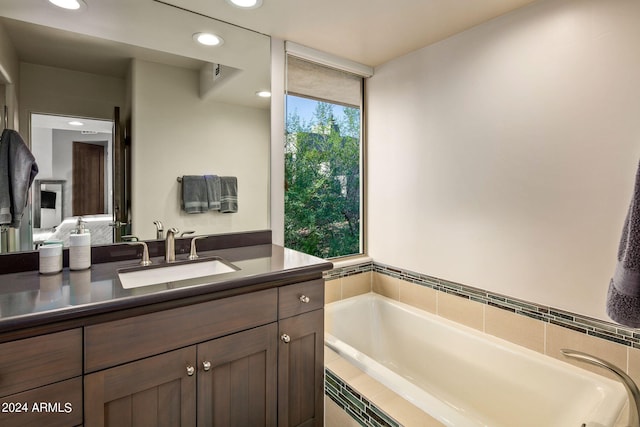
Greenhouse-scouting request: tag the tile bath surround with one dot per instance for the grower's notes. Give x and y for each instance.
(540, 328)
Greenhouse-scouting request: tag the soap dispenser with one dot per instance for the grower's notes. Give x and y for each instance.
(80, 247)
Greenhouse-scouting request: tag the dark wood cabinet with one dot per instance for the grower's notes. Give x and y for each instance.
(251, 360)
(237, 385)
(40, 380)
(301, 370)
(156, 391)
(120, 341)
(53, 405)
(229, 381)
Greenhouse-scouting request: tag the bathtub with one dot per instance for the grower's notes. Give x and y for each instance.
(463, 377)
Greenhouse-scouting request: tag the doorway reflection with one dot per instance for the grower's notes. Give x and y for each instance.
(74, 157)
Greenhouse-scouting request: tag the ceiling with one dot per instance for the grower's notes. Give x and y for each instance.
(103, 37)
(371, 32)
(48, 121)
(39, 44)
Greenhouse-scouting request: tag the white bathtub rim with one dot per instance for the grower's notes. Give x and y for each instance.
(595, 418)
(445, 412)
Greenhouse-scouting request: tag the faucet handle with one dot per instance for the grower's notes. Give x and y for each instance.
(186, 232)
(145, 252)
(193, 255)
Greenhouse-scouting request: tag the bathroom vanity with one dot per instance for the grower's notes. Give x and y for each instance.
(239, 348)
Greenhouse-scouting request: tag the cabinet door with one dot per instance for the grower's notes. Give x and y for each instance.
(301, 370)
(237, 382)
(157, 391)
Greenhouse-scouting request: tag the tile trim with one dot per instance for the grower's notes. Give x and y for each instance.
(350, 270)
(355, 404)
(587, 325)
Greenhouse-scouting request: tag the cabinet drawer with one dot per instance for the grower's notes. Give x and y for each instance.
(41, 360)
(300, 298)
(54, 405)
(120, 341)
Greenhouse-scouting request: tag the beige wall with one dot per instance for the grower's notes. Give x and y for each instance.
(9, 78)
(504, 157)
(176, 133)
(58, 91)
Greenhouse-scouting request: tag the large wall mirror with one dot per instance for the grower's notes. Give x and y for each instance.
(167, 107)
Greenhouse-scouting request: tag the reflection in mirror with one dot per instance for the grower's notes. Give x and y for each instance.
(74, 177)
(184, 109)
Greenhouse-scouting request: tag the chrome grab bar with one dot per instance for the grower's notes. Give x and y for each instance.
(631, 387)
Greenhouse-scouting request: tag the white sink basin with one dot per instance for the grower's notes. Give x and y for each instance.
(154, 275)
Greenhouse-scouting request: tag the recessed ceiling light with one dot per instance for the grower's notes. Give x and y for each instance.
(208, 39)
(245, 4)
(264, 94)
(69, 4)
(76, 123)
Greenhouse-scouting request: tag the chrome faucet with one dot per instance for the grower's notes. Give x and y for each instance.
(631, 387)
(159, 230)
(170, 245)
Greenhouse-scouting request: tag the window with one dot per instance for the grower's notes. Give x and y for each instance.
(323, 167)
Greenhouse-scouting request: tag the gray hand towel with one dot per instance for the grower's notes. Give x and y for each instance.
(18, 169)
(195, 197)
(623, 296)
(229, 194)
(213, 192)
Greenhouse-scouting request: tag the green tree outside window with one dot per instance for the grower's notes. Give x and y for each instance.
(322, 181)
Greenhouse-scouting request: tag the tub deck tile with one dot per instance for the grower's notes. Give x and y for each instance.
(367, 401)
(335, 415)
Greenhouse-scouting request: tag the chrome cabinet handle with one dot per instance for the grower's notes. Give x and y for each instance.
(206, 365)
(190, 370)
(285, 338)
(304, 299)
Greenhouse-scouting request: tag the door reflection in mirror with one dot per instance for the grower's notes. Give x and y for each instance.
(76, 176)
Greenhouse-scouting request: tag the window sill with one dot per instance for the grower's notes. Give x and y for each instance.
(349, 261)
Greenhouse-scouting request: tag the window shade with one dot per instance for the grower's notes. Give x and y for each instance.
(319, 82)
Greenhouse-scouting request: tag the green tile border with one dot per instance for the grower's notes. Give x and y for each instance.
(351, 270)
(353, 403)
(594, 327)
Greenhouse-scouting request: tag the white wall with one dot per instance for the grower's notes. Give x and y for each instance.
(184, 135)
(42, 149)
(504, 157)
(276, 217)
